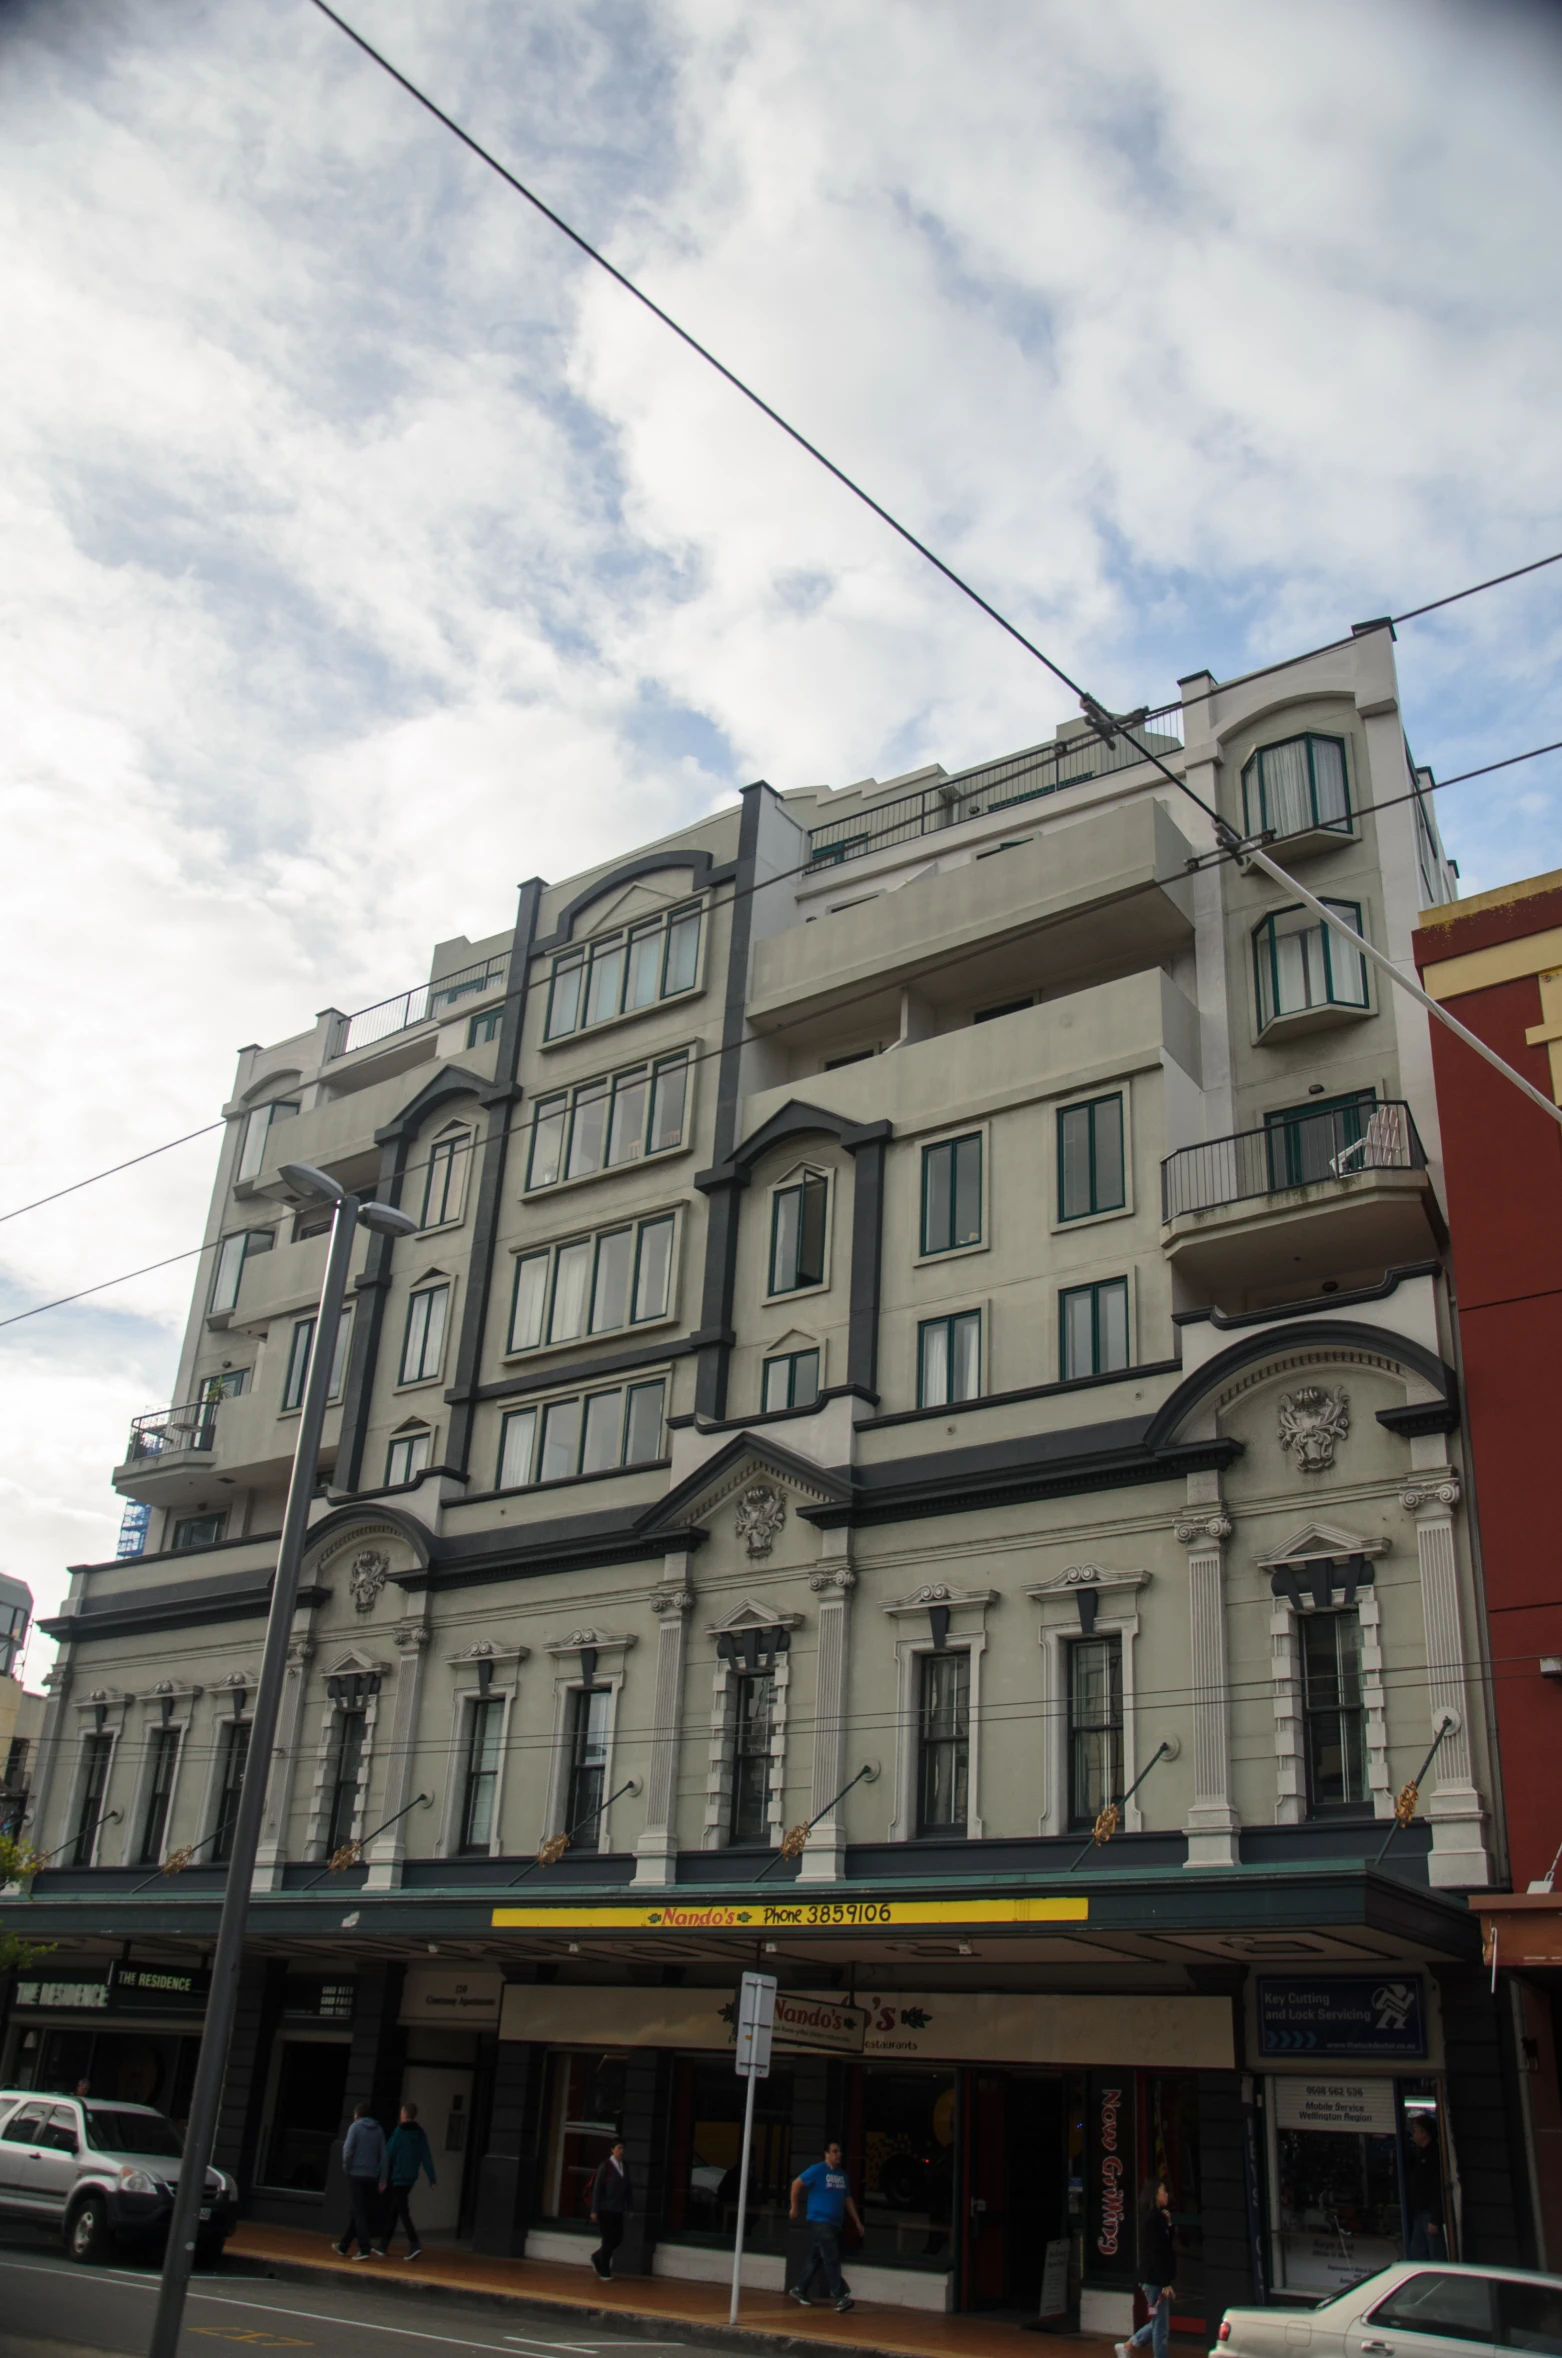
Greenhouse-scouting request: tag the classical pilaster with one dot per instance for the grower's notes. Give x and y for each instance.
(656, 1852)
(1212, 1820)
(271, 1857)
(388, 1850)
(1459, 1857)
(824, 1859)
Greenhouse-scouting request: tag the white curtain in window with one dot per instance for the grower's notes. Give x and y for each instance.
(1287, 803)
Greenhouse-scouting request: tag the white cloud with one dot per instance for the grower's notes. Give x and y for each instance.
(367, 553)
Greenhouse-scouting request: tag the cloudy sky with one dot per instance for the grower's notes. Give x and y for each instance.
(365, 551)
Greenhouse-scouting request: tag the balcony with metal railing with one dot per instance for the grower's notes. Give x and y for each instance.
(973, 794)
(430, 1002)
(1317, 1197)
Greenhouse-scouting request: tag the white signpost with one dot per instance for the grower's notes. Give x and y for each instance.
(756, 2022)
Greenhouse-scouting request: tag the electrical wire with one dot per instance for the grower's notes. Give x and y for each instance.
(706, 1055)
(113, 1170)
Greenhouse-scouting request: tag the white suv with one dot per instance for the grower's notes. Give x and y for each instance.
(100, 2172)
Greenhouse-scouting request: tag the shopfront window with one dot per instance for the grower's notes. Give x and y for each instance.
(585, 2115)
(1171, 2151)
(707, 2148)
(1359, 2179)
(908, 2167)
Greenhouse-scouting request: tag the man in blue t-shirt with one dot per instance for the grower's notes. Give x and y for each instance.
(829, 2200)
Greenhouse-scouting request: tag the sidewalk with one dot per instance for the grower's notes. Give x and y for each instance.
(635, 2302)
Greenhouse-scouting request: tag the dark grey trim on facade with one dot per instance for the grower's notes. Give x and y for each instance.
(1315, 1305)
(1274, 1342)
(866, 1143)
(192, 1604)
(565, 1373)
(706, 875)
(672, 1511)
(490, 1186)
(721, 1224)
(345, 1516)
(1115, 1456)
(1118, 1375)
(176, 1555)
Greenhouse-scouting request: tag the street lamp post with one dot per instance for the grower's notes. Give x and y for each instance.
(211, 2065)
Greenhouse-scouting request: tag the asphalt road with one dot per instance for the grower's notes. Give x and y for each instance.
(44, 2296)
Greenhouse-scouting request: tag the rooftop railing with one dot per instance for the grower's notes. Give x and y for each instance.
(1294, 1150)
(973, 794)
(425, 1003)
(192, 1426)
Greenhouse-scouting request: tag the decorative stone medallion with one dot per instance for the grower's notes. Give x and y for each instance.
(368, 1576)
(1313, 1423)
(761, 1513)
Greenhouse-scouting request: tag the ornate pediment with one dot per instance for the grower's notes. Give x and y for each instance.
(1319, 1560)
(641, 899)
(753, 1613)
(753, 1477)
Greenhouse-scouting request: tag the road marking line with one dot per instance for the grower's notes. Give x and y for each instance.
(317, 2316)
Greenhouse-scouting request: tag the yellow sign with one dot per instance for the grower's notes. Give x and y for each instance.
(784, 1915)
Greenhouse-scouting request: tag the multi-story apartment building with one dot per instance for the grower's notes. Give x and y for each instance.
(926, 1324)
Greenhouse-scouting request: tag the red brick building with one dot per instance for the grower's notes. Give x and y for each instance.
(1495, 961)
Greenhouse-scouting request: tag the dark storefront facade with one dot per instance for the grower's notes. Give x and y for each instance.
(1003, 2116)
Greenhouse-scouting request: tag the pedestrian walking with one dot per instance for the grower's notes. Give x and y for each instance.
(1424, 2192)
(363, 2158)
(1157, 2274)
(612, 2200)
(827, 2191)
(406, 2153)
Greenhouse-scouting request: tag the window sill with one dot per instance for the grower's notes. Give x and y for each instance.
(796, 1293)
(650, 1465)
(417, 1384)
(983, 1244)
(442, 1227)
(1312, 840)
(616, 1023)
(639, 1162)
(1066, 1223)
(1311, 1019)
(608, 1334)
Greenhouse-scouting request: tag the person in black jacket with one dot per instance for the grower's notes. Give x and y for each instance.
(1424, 2192)
(612, 2199)
(1157, 2273)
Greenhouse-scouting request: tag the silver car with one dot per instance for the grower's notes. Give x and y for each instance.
(1416, 2309)
(100, 2172)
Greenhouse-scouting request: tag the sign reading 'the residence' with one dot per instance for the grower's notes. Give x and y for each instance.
(1341, 2014)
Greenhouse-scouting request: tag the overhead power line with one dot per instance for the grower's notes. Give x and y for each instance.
(1108, 725)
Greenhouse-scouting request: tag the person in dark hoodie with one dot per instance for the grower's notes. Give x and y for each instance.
(612, 2200)
(1157, 2273)
(406, 2153)
(363, 2158)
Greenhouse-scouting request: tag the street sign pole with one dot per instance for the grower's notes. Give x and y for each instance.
(756, 2020)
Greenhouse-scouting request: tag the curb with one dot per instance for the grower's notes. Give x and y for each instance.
(642, 2324)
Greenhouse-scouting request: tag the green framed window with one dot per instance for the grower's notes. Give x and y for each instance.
(1334, 1712)
(1299, 963)
(623, 972)
(445, 1178)
(584, 1433)
(1306, 1142)
(748, 1815)
(944, 1742)
(797, 1228)
(484, 1758)
(300, 1351)
(604, 1123)
(198, 1530)
(952, 1194)
(593, 1284)
(791, 1381)
(1095, 1728)
(407, 1455)
(484, 1027)
(253, 1152)
(949, 1359)
(232, 1254)
(1091, 1173)
(1297, 786)
(423, 1344)
(1094, 1323)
